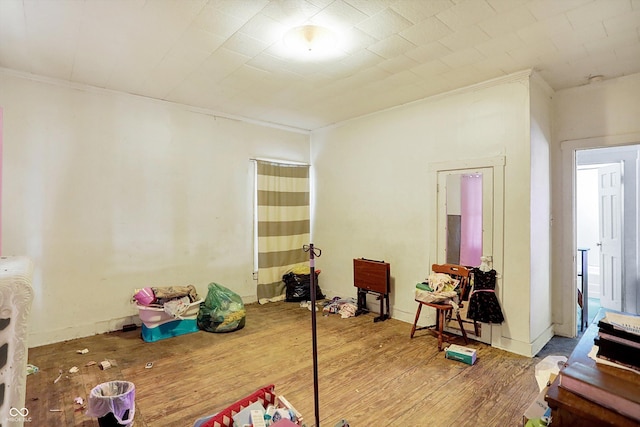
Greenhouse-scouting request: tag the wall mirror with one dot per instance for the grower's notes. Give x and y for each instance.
(465, 216)
(464, 219)
(465, 225)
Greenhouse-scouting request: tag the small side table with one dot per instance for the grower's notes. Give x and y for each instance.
(372, 276)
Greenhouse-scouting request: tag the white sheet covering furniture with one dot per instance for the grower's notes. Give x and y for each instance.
(16, 295)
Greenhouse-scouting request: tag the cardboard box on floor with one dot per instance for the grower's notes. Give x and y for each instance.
(462, 354)
(539, 406)
(536, 409)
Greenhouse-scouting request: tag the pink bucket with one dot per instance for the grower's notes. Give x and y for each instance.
(145, 296)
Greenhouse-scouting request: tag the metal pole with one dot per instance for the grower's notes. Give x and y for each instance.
(312, 272)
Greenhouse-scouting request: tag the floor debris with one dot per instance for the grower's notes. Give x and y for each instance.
(307, 304)
(345, 307)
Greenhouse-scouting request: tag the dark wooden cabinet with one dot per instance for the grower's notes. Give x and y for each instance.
(372, 276)
(569, 409)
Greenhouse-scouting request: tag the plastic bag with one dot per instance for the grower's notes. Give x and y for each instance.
(548, 366)
(221, 311)
(115, 397)
(434, 297)
(298, 287)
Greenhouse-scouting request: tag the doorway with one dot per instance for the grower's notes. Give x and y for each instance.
(588, 221)
(606, 228)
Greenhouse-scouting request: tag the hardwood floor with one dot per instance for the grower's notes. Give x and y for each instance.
(371, 374)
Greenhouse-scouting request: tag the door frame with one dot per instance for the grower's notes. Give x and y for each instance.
(564, 294)
(497, 165)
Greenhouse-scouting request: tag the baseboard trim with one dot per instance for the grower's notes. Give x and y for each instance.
(37, 339)
(524, 348)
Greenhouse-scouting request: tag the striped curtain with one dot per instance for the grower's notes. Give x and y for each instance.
(283, 223)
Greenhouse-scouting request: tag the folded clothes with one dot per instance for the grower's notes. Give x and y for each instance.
(434, 297)
(424, 286)
(172, 292)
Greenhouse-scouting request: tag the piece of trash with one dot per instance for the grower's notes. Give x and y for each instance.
(105, 364)
(32, 369)
(59, 376)
(83, 351)
(79, 400)
(547, 369)
(74, 370)
(55, 410)
(148, 365)
(307, 305)
(91, 363)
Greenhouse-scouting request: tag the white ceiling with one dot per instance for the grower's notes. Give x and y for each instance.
(227, 55)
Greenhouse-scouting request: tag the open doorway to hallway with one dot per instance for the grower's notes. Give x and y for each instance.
(607, 228)
(588, 243)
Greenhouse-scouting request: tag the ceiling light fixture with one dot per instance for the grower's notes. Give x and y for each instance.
(310, 38)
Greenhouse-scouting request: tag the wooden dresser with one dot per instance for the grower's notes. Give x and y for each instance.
(569, 409)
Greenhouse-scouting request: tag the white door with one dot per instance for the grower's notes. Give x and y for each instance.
(449, 208)
(610, 206)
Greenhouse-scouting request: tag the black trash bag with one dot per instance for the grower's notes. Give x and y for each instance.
(298, 287)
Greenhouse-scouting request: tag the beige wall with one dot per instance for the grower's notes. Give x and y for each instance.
(540, 196)
(603, 114)
(110, 192)
(375, 197)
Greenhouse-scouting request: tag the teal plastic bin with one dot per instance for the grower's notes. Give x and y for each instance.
(169, 330)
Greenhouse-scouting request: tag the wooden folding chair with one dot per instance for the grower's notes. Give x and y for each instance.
(444, 310)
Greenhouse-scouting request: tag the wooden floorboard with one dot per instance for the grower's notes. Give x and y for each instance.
(370, 373)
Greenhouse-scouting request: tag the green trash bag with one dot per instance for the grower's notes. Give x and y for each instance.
(222, 310)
